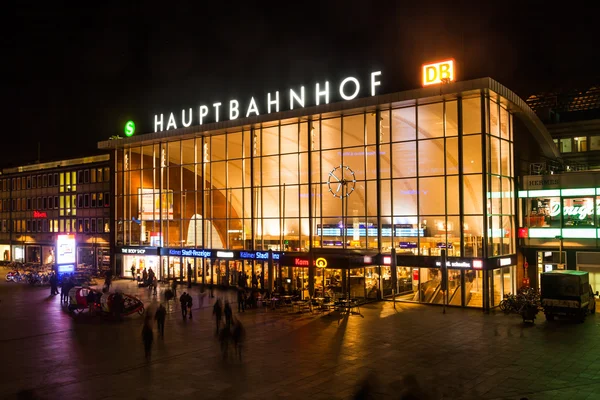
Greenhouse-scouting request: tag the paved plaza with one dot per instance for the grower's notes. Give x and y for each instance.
(462, 354)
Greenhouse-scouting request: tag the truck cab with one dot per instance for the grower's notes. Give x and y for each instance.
(567, 293)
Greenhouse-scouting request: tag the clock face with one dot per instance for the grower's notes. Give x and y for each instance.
(341, 181)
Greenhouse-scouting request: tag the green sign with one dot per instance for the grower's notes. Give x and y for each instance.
(129, 128)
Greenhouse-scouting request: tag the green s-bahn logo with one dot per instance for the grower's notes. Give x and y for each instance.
(129, 128)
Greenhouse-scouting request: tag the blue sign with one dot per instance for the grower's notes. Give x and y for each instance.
(62, 269)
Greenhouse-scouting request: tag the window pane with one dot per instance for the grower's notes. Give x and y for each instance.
(386, 196)
(543, 212)
(594, 142)
(384, 160)
(507, 196)
(495, 197)
(451, 118)
(404, 124)
(494, 119)
(578, 212)
(504, 133)
(219, 171)
(505, 161)
(355, 159)
(289, 138)
(494, 155)
(452, 156)
(371, 160)
(431, 121)
(405, 197)
(452, 194)
(234, 173)
(565, 145)
(473, 196)
(330, 160)
(471, 113)
(354, 130)
(471, 154)
(234, 145)
(270, 175)
(331, 133)
(217, 148)
(431, 196)
(384, 127)
(473, 228)
(370, 126)
(431, 157)
(404, 159)
(289, 169)
(270, 140)
(580, 144)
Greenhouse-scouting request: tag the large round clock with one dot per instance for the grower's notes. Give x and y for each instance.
(341, 181)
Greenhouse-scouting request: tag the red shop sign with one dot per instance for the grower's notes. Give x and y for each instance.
(40, 214)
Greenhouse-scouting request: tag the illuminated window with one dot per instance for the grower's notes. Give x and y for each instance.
(93, 175)
(580, 144)
(594, 143)
(566, 145)
(106, 174)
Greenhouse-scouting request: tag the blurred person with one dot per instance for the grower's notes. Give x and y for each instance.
(155, 286)
(241, 299)
(218, 312)
(238, 334)
(189, 302)
(228, 314)
(189, 275)
(147, 337)
(160, 316)
(183, 300)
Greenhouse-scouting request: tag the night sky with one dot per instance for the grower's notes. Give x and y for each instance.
(76, 75)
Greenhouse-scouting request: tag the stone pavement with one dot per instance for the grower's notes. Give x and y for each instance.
(463, 354)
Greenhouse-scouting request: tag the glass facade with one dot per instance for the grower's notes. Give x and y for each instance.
(411, 180)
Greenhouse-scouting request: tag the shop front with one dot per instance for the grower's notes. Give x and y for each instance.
(560, 224)
(139, 259)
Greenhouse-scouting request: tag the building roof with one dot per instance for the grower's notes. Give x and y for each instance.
(567, 101)
(56, 164)
(369, 104)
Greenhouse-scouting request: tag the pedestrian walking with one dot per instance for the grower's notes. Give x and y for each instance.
(160, 316)
(238, 334)
(63, 289)
(228, 314)
(108, 279)
(189, 275)
(147, 337)
(53, 284)
(155, 286)
(133, 272)
(174, 288)
(218, 313)
(241, 299)
(189, 304)
(145, 276)
(183, 300)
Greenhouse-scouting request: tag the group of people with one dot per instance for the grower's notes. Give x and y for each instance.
(148, 279)
(232, 333)
(186, 305)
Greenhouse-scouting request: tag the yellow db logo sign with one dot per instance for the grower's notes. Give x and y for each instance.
(440, 72)
(321, 262)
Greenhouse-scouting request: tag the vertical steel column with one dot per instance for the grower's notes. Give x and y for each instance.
(311, 217)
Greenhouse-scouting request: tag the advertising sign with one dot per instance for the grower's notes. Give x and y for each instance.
(65, 247)
(149, 204)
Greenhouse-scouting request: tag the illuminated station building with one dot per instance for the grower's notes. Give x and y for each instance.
(355, 197)
(57, 214)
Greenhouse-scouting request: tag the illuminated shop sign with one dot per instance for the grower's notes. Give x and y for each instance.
(477, 264)
(581, 211)
(504, 261)
(224, 254)
(439, 72)
(454, 264)
(65, 247)
(130, 250)
(40, 214)
(321, 262)
(300, 262)
(349, 89)
(257, 255)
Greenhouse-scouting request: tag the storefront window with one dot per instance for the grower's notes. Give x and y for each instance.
(594, 142)
(430, 280)
(474, 288)
(357, 282)
(578, 212)
(543, 212)
(372, 282)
